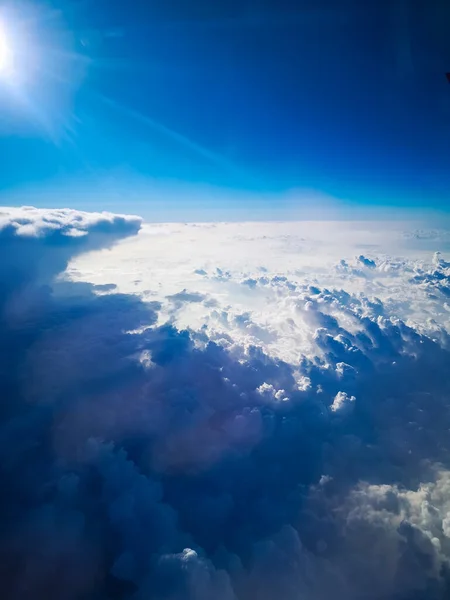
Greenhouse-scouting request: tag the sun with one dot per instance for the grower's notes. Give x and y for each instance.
(40, 69)
(6, 54)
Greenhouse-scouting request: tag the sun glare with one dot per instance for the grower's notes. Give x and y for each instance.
(6, 55)
(39, 69)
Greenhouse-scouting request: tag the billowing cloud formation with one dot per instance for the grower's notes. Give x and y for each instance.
(143, 461)
(36, 244)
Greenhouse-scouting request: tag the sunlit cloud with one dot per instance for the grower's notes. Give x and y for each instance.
(141, 460)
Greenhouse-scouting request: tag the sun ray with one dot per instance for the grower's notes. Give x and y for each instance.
(40, 69)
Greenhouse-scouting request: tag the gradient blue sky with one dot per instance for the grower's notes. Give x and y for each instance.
(130, 103)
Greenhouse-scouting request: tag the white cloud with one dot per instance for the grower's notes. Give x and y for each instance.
(294, 441)
(286, 277)
(342, 402)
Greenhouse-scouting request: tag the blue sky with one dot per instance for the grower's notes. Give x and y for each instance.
(145, 99)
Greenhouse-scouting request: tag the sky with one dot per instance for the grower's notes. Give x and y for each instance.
(181, 108)
(224, 300)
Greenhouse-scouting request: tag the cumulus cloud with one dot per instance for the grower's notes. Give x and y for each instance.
(294, 445)
(342, 402)
(58, 234)
(367, 262)
(37, 244)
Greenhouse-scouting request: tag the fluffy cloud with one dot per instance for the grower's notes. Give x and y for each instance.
(37, 244)
(47, 239)
(292, 442)
(342, 402)
(281, 278)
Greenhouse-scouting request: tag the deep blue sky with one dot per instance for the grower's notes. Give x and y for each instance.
(347, 98)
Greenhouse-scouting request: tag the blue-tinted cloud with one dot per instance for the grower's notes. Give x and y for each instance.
(141, 461)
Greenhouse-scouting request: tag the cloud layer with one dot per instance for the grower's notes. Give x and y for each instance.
(295, 446)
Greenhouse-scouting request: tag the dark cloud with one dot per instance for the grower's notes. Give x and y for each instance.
(36, 244)
(186, 296)
(146, 462)
(367, 262)
(105, 287)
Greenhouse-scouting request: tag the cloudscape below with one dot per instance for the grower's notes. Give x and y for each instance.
(237, 411)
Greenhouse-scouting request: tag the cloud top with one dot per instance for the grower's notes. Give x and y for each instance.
(142, 460)
(37, 244)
